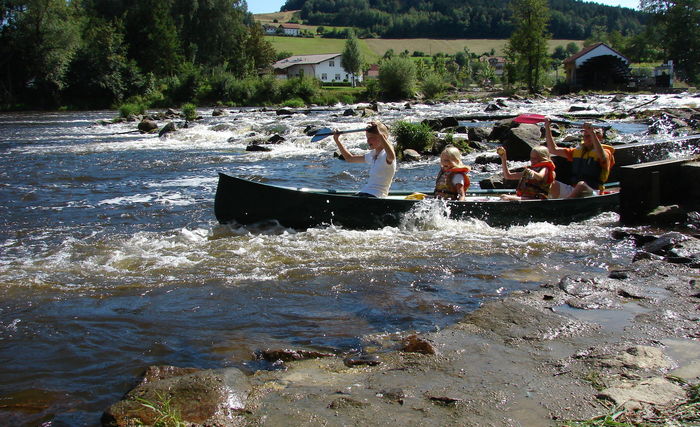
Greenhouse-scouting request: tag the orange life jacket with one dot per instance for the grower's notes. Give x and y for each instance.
(443, 184)
(531, 187)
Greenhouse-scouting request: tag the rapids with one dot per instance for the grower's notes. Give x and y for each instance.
(111, 258)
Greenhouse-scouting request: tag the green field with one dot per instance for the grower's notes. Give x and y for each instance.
(373, 49)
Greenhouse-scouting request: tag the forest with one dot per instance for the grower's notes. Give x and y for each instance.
(80, 54)
(570, 19)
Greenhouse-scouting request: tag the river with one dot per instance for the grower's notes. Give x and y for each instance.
(111, 259)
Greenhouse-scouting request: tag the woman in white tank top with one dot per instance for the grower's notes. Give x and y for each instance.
(382, 160)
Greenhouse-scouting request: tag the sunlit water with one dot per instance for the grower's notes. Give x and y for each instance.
(111, 259)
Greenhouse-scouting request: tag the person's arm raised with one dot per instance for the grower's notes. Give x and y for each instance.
(551, 145)
(349, 157)
(597, 146)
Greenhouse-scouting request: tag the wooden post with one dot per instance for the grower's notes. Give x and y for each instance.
(645, 186)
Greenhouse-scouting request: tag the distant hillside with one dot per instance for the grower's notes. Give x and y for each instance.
(570, 19)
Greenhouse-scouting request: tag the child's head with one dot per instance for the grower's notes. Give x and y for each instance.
(539, 154)
(374, 130)
(450, 158)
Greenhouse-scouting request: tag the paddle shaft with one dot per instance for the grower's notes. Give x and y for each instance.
(538, 118)
(326, 132)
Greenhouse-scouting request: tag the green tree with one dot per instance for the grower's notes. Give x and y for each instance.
(397, 77)
(351, 59)
(528, 42)
(680, 23)
(38, 39)
(153, 38)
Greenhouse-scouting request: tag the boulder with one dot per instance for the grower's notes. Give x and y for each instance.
(480, 134)
(411, 155)
(275, 139)
(168, 128)
(256, 147)
(147, 126)
(202, 397)
(521, 140)
(218, 112)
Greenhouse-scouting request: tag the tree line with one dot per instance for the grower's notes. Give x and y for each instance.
(98, 53)
(569, 19)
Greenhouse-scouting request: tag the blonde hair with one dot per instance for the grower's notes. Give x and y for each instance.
(378, 128)
(452, 153)
(543, 152)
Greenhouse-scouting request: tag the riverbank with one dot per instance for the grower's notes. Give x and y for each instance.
(574, 349)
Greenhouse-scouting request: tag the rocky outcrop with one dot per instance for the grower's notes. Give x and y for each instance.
(201, 397)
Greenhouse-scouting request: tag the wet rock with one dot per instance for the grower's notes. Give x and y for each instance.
(510, 319)
(618, 274)
(256, 147)
(147, 126)
(492, 107)
(218, 112)
(575, 108)
(414, 344)
(362, 360)
(577, 286)
(168, 128)
(275, 139)
(639, 357)
(205, 397)
(346, 402)
(448, 122)
(633, 395)
(596, 301)
(287, 355)
(367, 112)
(394, 395)
(664, 243)
(434, 124)
(521, 140)
(480, 134)
(667, 215)
(411, 155)
(350, 112)
(284, 112)
(444, 400)
(311, 130)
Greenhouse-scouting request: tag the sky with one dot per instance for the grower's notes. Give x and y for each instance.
(268, 6)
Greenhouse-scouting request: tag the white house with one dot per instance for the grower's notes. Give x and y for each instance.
(290, 29)
(325, 67)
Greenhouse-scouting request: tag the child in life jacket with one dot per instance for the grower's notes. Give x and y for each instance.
(452, 180)
(535, 180)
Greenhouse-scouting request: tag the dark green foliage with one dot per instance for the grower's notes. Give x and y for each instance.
(419, 137)
(433, 85)
(98, 53)
(397, 78)
(303, 87)
(679, 23)
(449, 19)
(528, 43)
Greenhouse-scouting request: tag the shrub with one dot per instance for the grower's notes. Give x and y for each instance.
(294, 103)
(372, 89)
(303, 87)
(189, 111)
(132, 108)
(433, 85)
(397, 78)
(419, 137)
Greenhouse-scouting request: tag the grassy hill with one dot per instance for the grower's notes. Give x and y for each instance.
(373, 49)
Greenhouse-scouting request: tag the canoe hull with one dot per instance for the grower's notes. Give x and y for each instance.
(248, 202)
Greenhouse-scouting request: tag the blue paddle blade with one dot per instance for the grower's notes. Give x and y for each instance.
(322, 134)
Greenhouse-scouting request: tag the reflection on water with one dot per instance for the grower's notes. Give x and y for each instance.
(111, 260)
